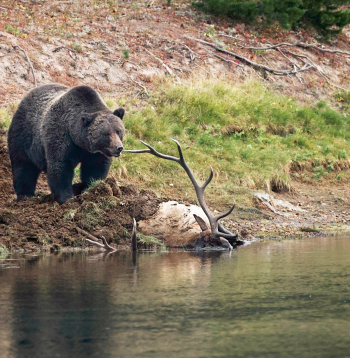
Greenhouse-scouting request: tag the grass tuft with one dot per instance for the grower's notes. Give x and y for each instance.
(148, 242)
(5, 118)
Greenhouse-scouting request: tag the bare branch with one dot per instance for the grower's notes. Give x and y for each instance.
(231, 37)
(70, 51)
(63, 47)
(139, 84)
(296, 71)
(263, 67)
(298, 44)
(94, 240)
(271, 47)
(164, 65)
(322, 49)
(226, 60)
(317, 68)
(30, 64)
(113, 59)
(192, 55)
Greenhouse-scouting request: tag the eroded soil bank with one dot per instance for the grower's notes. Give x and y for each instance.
(105, 210)
(108, 208)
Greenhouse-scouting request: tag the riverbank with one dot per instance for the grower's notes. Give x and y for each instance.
(107, 210)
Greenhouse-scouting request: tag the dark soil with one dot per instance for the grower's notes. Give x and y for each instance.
(39, 222)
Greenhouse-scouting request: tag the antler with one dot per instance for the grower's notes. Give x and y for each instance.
(217, 230)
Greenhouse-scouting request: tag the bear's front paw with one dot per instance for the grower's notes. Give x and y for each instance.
(78, 188)
(61, 198)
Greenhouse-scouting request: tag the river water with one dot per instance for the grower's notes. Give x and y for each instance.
(272, 299)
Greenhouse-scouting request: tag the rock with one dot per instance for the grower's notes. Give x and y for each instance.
(174, 223)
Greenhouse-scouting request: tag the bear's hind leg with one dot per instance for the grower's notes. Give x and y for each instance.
(25, 176)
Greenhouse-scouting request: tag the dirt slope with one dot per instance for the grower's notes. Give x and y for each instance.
(114, 46)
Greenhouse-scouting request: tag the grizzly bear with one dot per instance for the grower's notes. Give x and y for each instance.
(53, 130)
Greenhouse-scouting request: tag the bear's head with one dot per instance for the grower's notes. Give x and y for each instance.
(102, 132)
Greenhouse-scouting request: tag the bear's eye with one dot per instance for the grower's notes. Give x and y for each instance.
(118, 134)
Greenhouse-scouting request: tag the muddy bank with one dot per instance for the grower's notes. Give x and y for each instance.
(105, 210)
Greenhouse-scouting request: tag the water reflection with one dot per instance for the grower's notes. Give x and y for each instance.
(267, 300)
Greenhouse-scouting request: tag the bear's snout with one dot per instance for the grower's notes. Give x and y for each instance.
(113, 147)
(116, 145)
(117, 151)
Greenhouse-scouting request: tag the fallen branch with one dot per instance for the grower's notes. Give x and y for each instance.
(226, 60)
(298, 44)
(113, 59)
(133, 63)
(265, 199)
(317, 68)
(270, 47)
(70, 51)
(164, 65)
(30, 64)
(231, 37)
(192, 55)
(322, 49)
(94, 240)
(139, 84)
(263, 67)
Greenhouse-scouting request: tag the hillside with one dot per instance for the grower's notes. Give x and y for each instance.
(122, 48)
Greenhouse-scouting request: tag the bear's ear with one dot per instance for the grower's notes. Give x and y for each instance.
(119, 113)
(87, 118)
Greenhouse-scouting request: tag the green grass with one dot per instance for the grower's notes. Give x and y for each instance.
(250, 135)
(148, 242)
(3, 251)
(5, 118)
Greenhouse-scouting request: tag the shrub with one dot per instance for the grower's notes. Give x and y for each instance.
(323, 14)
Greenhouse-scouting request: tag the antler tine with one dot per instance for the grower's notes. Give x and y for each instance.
(224, 230)
(148, 146)
(209, 179)
(133, 236)
(220, 216)
(151, 150)
(181, 157)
